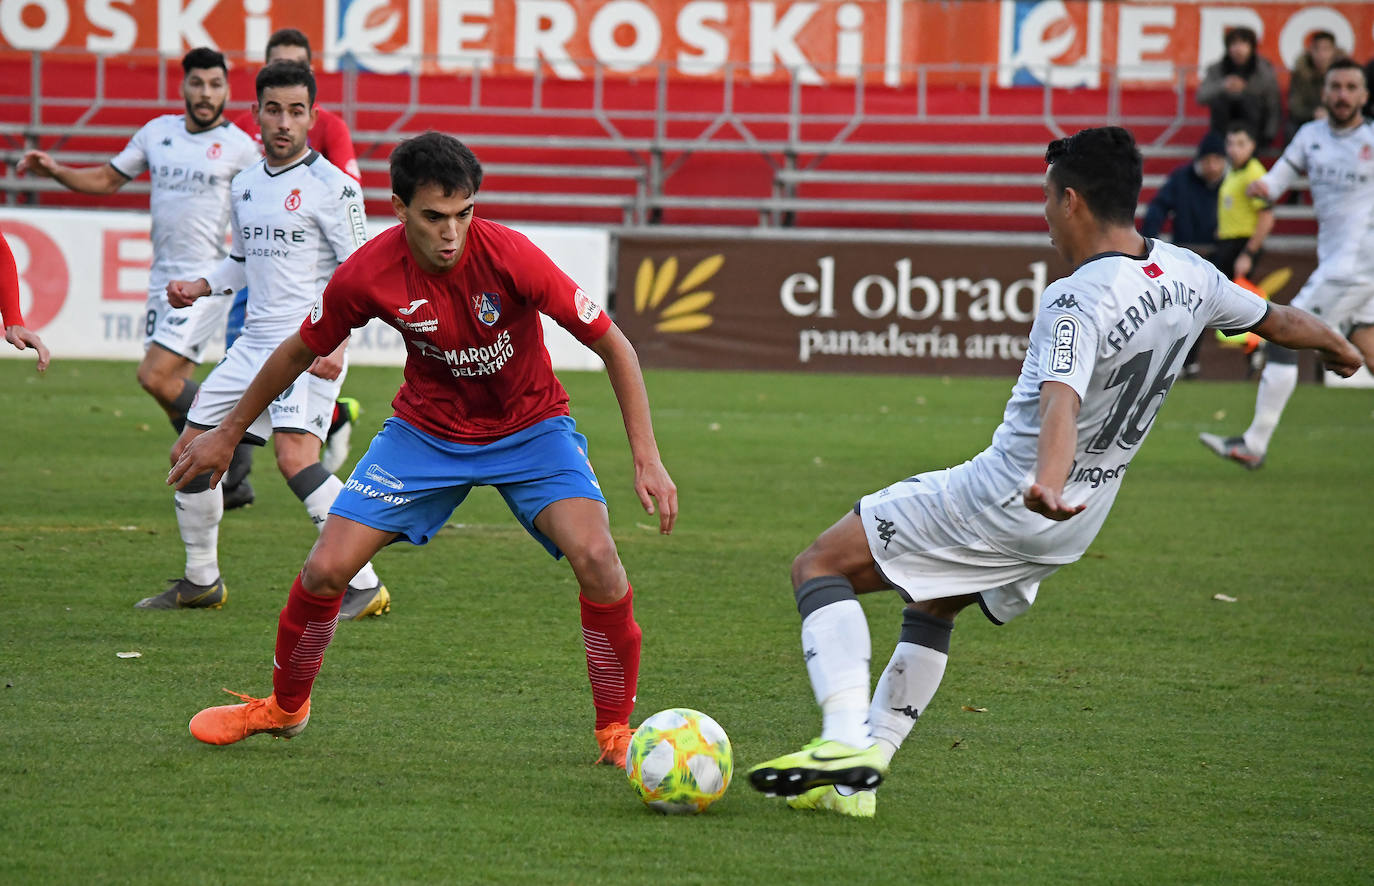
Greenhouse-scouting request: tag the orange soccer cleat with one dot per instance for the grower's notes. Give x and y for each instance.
(226, 724)
(614, 741)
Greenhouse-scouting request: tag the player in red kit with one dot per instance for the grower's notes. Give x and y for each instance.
(16, 333)
(480, 405)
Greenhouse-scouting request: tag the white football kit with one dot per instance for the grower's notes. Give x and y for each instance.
(1340, 170)
(291, 228)
(189, 205)
(1116, 331)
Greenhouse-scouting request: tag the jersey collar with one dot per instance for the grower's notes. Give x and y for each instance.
(1149, 247)
(310, 157)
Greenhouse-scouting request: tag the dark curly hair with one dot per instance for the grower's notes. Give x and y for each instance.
(433, 157)
(1104, 166)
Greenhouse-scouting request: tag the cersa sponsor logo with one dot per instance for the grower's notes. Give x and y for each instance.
(686, 312)
(1065, 338)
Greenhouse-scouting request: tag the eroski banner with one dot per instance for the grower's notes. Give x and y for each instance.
(1062, 42)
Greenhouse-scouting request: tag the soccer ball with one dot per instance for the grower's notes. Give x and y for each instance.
(679, 761)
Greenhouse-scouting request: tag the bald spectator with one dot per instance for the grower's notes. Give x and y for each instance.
(1306, 81)
(1189, 197)
(1242, 87)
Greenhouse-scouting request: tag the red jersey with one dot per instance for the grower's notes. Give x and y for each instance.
(9, 288)
(476, 366)
(329, 136)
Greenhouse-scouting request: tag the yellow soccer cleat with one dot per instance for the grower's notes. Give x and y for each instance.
(820, 763)
(827, 798)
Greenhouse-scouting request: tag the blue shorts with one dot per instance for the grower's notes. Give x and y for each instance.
(410, 482)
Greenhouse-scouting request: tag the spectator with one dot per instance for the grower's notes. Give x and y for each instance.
(1242, 86)
(1305, 83)
(1189, 195)
(1243, 222)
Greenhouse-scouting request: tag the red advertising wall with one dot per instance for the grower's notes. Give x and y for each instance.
(1062, 41)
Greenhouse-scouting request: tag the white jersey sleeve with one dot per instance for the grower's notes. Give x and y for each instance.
(1291, 166)
(344, 223)
(133, 160)
(1065, 337)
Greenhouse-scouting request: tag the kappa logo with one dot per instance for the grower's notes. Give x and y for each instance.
(293, 200)
(247, 195)
(1066, 301)
(166, 142)
(487, 307)
(887, 529)
(1062, 352)
(413, 305)
(348, 193)
(378, 474)
(214, 151)
(908, 710)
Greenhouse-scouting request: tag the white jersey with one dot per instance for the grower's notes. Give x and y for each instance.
(1116, 331)
(1340, 170)
(189, 205)
(292, 228)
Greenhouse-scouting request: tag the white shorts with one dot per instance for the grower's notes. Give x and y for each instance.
(185, 331)
(306, 406)
(926, 551)
(1339, 303)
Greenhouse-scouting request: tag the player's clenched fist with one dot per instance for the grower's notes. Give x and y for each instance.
(181, 293)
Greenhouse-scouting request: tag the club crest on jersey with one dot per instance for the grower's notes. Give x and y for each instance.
(1062, 348)
(487, 307)
(293, 200)
(1153, 270)
(214, 151)
(587, 310)
(1366, 153)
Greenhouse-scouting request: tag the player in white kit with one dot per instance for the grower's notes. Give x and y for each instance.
(1107, 344)
(296, 217)
(1337, 156)
(190, 158)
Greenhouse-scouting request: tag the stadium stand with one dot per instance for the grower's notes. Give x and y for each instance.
(953, 152)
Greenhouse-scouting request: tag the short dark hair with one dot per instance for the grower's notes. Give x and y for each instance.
(1341, 64)
(434, 158)
(285, 73)
(288, 37)
(1245, 34)
(1321, 35)
(1242, 126)
(1104, 166)
(202, 57)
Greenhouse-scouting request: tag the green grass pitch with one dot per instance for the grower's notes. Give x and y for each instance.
(1136, 730)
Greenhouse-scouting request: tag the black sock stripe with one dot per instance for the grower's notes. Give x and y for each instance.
(307, 480)
(924, 629)
(822, 591)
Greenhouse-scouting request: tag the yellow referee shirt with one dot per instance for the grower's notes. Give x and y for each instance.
(1237, 213)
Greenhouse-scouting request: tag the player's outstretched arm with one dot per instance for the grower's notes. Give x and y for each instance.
(1054, 457)
(652, 482)
(22, 338)
(1295, 328)
(182, 293)
(90, 180)
(212, 450)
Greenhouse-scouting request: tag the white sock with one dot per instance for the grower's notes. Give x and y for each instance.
(317, 505)
(904, 690)
(1275, 387)
(837, 647)
(198, 517)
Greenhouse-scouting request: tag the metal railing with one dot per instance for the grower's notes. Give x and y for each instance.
(644, 130)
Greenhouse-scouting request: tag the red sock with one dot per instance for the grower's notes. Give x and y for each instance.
(611, 637)
(304, 630)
